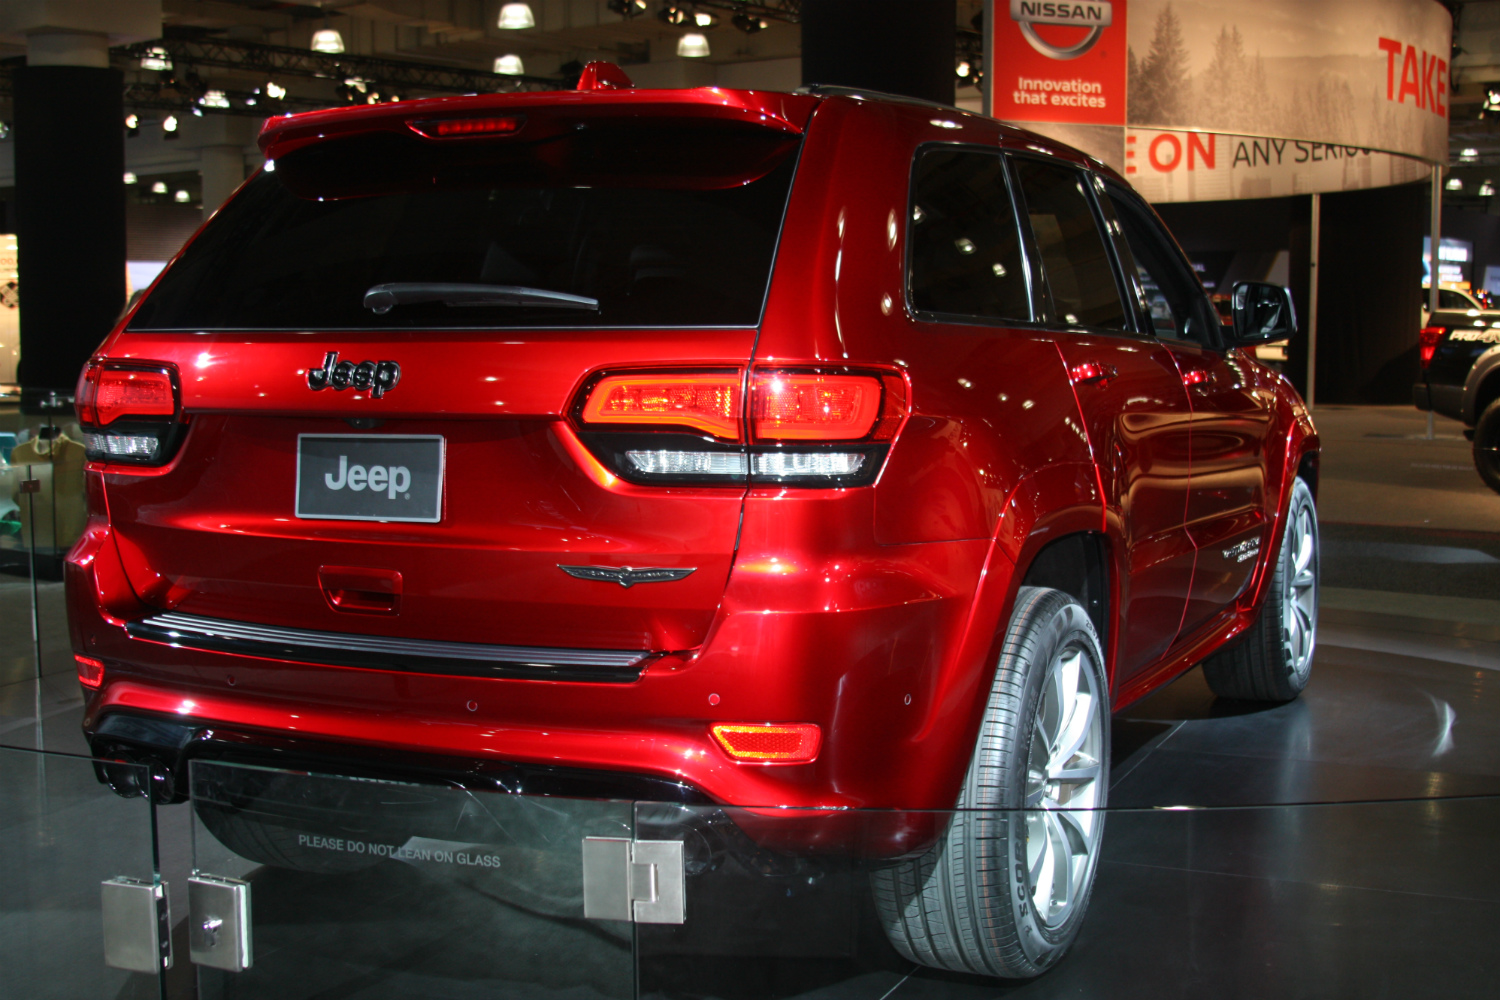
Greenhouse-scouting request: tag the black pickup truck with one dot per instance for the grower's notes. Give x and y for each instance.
(1460, 354)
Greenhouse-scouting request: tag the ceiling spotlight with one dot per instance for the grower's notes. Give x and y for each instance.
(510, 66)
(214, 99)
(1469, 154)
(181, 195)
(627, 8)
(963, 69)
(704, 19)
(748, 23)
(692, 46)
(1487, 189)
(160, 187)
(274, 90)
(1455, 184)
(327, 40)
(130, 178)
(156, 58)
(132, 124)
(674, 14)
(515, 16)
(197, 112)
(169, 124)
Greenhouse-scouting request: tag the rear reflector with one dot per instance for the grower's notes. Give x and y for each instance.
(792, 744)
(443, 128)
(810, 406)
(701, 402)
(1427, 342)
(90, 671)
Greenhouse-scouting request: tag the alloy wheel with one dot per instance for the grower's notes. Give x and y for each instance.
(1063, 793)
(1299, 613)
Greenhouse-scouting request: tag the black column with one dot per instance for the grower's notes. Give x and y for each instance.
(898, 46)
(70, 218)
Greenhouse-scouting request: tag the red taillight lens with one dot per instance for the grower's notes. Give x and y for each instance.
(1427, 342)
(133, 393)
(702, 402)
(90, 671)
(443, 128)
(791, 744)
(792, 406)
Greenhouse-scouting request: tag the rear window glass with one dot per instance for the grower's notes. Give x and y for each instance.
(386, 232)
(1079, 274)
(1449, 299)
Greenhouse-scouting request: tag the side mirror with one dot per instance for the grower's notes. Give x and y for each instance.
(1262, 312)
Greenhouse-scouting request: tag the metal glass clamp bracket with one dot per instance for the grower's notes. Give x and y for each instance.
(137, 925)
(219, 922)
(637, 880)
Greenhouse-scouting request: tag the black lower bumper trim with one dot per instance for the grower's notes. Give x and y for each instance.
(342, 649)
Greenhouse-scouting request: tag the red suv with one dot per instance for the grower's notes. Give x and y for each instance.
(821, 449)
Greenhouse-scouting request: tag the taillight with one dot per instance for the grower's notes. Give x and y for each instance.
(708, 402)
(90, 671)
(765, 744)
(1427, 342)
(130, 411)
(802, 427)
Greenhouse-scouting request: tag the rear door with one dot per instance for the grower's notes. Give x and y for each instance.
(384, 345)
(1231, 399)
(1132, 401)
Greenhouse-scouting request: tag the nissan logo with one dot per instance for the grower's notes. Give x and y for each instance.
(1096, 15)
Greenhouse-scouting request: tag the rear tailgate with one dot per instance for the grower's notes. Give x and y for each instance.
(273, 296)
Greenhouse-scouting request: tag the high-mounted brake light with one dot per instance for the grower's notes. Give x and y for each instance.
(789, 744)
(1427, 342)
(129, 411)
(445, 128)
(701, 402)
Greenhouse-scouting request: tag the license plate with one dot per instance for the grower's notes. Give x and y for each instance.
(370, 477)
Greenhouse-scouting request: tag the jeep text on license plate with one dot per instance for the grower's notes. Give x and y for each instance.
(370, 477)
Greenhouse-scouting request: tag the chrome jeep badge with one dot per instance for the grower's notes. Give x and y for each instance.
(627, 576)
(376, 377)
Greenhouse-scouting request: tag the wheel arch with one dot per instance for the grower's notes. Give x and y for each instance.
(1486, 386)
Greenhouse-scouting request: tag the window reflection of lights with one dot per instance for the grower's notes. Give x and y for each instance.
(515, 16)
(1028, 404)
(964, 245)
(944, 123)
(917, 215)
(999, 269)
(270, 166)
(966, 383)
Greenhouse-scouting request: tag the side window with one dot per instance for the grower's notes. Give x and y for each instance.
(1449, 299)
(1179, 310)
(965, 247)
(1073, 252)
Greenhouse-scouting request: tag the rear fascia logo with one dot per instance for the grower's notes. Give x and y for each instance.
(1096, 15)
(627, 576)
(376, 377)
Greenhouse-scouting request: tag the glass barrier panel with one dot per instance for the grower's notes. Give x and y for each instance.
(1355, 899)
(382, 888)
(63, 834)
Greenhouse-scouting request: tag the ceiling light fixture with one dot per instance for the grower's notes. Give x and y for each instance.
(181, 195)
(169, 125)
(1455, 184)
(214, 99)
(674, 14)
(1487, 189)
(627, 8)
(704, 19)
(160, 187)
(133, 124)
(510, 65)
(130, 178)
(515, 16)
(692, 46)
(274, 90)
(157, 58)
(327, 40)
(749, 23)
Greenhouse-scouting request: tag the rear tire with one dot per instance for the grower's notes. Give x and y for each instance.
(1487, 446)
(1274, 660)
(1004, 890)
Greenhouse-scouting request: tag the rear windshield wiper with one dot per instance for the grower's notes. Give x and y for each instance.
(381, 299)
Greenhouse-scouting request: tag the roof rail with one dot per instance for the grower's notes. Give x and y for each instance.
(832, 90)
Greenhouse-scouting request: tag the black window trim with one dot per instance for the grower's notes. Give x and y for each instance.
(1027, 265)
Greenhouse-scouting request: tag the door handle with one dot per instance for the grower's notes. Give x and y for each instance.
(1194, 376)
(1092, 371)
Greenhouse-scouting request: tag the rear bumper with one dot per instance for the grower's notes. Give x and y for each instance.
(888, 665)
(1447, 400)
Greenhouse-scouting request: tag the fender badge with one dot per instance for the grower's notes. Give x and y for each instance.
(627, 576)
